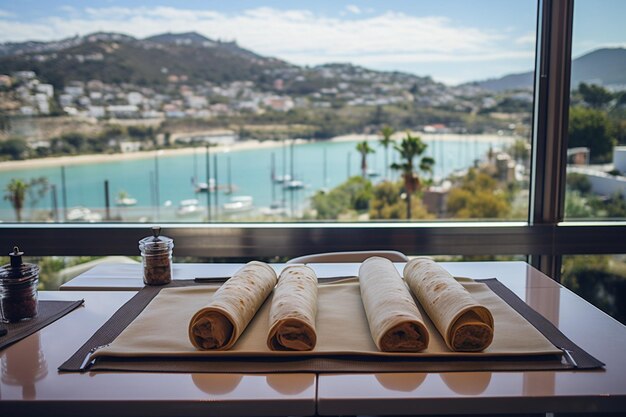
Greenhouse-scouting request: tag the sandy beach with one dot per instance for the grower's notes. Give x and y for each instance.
(247, 145)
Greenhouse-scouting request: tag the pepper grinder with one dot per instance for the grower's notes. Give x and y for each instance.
(156, 256)
(18, 288)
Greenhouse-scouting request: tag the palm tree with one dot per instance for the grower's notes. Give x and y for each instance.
(15, 193)
(364, 148)
(409, 148)
(386, 133)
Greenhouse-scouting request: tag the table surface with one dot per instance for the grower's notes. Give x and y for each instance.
(31, 384)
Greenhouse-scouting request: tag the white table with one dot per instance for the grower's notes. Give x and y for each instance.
(334, 393)
(31, 385)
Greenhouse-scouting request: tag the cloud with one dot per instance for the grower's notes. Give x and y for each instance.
(527, 39)
(300, 36)
(68, 9)
(352, 8)
(4, 13)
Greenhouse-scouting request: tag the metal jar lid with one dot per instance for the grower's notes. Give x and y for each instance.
(156, 243)
(16, 270)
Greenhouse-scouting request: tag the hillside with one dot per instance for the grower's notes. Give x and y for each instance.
(606, 67)
(114, 58)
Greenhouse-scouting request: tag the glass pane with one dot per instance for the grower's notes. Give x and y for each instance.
(57, 270)
(265, 111)
(596, 171)
(599, 279)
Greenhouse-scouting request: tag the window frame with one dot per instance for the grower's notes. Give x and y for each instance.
(544, 237)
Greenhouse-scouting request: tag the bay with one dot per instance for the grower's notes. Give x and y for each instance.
(319, 165)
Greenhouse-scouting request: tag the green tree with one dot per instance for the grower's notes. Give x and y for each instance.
(599, 279)
(354, 194)
(410, 148)
(76, 142)
(591, 128)
(15, 193)
(613, 207)
(594, 95)
(17, 190)
(37, 188)
(577, 206)
(15, 148)
(386, 133)
(386, 203)
(478, 197)
(364, 149)
(578, 182)
(520, 150)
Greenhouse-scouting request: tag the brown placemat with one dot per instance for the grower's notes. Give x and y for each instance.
(338, 363)
(48, 312)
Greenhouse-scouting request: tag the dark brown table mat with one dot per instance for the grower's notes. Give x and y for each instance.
(576, 358)
(48, 312)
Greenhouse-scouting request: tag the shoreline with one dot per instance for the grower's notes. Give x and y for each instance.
(57, 161)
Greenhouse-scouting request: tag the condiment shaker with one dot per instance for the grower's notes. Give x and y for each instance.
(156, 255)
(18, 288)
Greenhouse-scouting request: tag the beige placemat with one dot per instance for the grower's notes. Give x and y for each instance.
(161, 329)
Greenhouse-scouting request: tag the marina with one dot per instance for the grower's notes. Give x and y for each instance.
(251, 183)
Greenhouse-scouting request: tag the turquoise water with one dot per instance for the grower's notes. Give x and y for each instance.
(250, 172)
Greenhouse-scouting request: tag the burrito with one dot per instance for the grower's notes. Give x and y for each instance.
(395, 322)
(293, 310)
(218, 325)
(465, 325)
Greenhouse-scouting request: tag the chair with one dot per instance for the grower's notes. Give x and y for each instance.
(347, 257)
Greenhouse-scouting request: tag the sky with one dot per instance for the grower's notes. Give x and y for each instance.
(453, 41)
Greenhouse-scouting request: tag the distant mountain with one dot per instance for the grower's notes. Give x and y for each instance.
(606, 67)
(34, 47)
(603, 66)
(519, 81)
(117, 58)
(188, 38)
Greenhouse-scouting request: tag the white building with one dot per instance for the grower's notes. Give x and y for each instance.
(96, 111)
(43, 103)
(603, 183)
(134, 98)
(66, 100)
(215, 137)
(196, 102)
(123, 111)
(130, 146)
(74, 90)
(47, 89)
(27, 110)
(279, 103)
(24, 75)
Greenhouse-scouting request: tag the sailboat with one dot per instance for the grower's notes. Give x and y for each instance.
(125, 200)
(289, 181)
(203, 187)
(293, 185)
(238, 204)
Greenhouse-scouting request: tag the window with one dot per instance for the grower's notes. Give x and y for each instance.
(109, 120)
(596, 155)
(533, 228)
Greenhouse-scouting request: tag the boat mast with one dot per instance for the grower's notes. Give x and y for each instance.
(273, 177)
(217, 205)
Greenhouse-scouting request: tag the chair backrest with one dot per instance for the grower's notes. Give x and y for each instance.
(346, 257)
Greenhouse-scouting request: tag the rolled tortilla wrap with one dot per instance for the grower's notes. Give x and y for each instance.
(293, 310)
(218, 325)
(395, 322)
(465, 325)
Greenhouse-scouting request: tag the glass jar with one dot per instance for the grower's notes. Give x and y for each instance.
(156, 257)
(18, 289)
